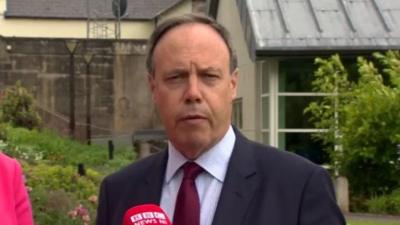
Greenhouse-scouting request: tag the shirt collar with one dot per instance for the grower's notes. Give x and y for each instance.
(214, 161)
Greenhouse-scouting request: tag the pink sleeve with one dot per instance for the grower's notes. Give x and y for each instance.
(22, 204)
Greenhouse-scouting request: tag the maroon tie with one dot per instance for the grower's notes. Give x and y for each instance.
(187, 207)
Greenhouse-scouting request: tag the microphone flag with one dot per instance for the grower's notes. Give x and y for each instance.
(147, 214)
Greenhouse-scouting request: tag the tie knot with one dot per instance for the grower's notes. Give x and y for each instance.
(191, 170)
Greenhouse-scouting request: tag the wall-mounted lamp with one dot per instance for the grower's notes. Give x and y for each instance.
(8, 48)
(71, 45)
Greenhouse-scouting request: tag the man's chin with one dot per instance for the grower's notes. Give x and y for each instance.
(192, 142)
(193, 138)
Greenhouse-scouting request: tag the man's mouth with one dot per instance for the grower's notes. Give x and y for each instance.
(193, 118)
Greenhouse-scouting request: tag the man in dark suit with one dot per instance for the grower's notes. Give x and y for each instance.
(193, 78)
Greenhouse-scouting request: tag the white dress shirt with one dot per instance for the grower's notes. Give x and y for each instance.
(209, 183)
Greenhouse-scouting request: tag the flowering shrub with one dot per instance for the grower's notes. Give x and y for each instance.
(59, 195)
(60, 207)
(33, 145)
(56, 177)
(81, 213)
(55, 190)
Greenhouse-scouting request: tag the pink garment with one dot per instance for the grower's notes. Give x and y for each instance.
(15, 207)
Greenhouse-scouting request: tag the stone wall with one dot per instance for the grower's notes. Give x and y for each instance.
(199, 6)
(120, 99)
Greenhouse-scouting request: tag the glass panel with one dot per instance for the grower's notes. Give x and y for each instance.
(291, 110)
(265, 138)
(304, 145)
(296, 75)
(265, 112)
(264, 78)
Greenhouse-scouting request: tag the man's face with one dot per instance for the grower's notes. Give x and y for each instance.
(192, 87)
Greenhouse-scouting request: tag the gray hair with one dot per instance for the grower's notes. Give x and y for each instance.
(169, 24)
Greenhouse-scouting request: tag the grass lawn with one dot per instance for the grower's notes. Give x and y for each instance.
(371, 222)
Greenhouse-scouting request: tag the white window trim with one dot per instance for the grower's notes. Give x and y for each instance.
(273, 96)
(273, 71)
(306, 130)
(302, 94)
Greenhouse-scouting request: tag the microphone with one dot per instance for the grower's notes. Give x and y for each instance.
(147, 214)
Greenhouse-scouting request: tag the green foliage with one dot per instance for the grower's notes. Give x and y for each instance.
(46, 145)
(362, 119)
(371, 130)
(371, 222)
(58, 194)
(392, 65)
(17, 108)
(331, 77)
(56, 177)
(55, 206)
(385, 204)
(55, 190)
(3, 131)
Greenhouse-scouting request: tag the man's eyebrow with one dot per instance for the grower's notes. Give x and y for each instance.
(175, 70)
(210, 69)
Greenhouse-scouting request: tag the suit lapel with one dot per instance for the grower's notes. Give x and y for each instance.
(154, 179)
(240, 184)
(146, 192)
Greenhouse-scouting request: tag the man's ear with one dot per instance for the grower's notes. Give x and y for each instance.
(234, 83)
(152, 85)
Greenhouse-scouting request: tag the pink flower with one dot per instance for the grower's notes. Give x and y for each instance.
(72, 214)
(81, 212)
(93, 199)
(86, 218)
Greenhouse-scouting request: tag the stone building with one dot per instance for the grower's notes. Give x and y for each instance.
(33, 37)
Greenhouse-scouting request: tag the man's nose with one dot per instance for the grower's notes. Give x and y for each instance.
(193, 93)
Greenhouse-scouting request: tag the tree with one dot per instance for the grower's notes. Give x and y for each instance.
(362, 119)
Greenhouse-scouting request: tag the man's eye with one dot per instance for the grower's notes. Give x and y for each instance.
(211, 76)
(174, 77)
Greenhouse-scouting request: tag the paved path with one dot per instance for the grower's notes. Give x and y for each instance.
(367, 216)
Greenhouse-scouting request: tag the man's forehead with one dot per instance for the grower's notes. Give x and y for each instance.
(193, 26)
(185, 33)
(193, 41)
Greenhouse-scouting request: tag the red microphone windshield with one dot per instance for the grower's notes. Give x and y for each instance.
(148, 214)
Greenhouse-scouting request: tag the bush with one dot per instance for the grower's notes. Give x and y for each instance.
(33, 145)
(3, 131)
(57, 191)
(58, 194)
(362, 120)
(386, 204)
(56, 177)
(17, 108)
(57, 207)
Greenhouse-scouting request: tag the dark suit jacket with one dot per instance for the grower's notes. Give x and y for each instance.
(263, 186)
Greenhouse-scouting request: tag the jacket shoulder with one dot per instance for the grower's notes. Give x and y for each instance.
(268, 158)
(9, 166)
